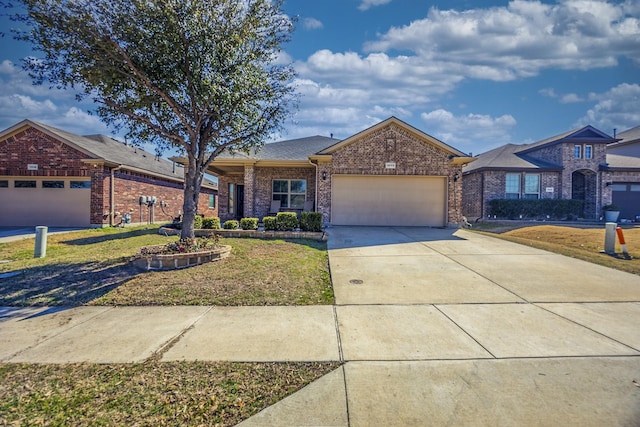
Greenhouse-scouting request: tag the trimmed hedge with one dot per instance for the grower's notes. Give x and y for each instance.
(558, 209)
(270, 223)
(211, 223)
(311, 221)
(197, 222)
(231, 224)
(249, 223)
(286, 221)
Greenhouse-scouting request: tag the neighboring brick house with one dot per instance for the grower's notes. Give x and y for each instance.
(55, 178)
(389, 174)
(572, 165)
(623, 166)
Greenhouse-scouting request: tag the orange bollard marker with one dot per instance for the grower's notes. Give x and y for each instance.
(623, 244)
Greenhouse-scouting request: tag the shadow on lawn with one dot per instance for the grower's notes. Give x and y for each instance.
(110, 236)
(64, 285)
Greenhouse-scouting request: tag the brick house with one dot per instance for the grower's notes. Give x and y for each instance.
(389, 174)
(623, 167)
(55, 178)
(572, 165)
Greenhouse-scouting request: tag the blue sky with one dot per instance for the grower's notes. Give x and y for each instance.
(475, 74)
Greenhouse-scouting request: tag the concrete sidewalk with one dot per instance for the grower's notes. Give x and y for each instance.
(436, 327)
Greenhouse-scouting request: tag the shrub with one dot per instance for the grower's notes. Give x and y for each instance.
(249, 223)
(311, 221)
(536, 208)
(197, 222)
(269, 223)
(231, 224)
(286, 221)
(212, 223)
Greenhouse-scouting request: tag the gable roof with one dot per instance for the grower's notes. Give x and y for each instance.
(629, 136)
(111, 152)
(506, 157)
(462, 157)
(512, 156)
(581, 135)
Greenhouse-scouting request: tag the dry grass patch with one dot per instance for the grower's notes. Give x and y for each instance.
(150, 394)
(582, 243)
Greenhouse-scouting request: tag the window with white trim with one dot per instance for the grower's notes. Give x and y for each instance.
(291, 192)
(577, 151)
(588, 151)
(512, 186)
(531, 186)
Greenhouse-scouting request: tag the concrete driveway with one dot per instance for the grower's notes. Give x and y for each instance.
(447, 327)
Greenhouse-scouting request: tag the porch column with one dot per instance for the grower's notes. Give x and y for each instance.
(249, 184)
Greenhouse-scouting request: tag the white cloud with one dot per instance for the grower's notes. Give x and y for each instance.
(618, 108)
(570, 98)
(367, 4)
(520, 40)
(468, 131)
(312, 24)
(548, 92)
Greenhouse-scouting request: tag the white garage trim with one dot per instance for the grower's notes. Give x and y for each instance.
(382, 200)
(50, 201)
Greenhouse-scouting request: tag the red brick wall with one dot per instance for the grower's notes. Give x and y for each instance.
(55, 158)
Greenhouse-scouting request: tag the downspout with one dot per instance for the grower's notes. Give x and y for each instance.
(315, 203)
(112, 197)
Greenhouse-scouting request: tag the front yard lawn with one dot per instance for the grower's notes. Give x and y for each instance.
(91, 267)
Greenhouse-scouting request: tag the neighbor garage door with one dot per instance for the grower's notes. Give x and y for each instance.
(627, 197)
(388, 200)
(52, 202)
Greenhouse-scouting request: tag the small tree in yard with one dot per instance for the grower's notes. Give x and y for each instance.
(200, 75)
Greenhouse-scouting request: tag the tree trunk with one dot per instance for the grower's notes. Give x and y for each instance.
(192, 184)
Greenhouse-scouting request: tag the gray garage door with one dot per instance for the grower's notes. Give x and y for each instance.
(627, 197)
(52, 201)
(388, 200)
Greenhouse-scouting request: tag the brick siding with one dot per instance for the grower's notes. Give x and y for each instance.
(412, 156)
(57, 159)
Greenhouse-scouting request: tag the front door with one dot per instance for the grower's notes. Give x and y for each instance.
(240, 202)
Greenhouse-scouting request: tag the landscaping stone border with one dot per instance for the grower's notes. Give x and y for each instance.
(255, 234)
(160, 262)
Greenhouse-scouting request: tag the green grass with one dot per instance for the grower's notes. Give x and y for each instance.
(92, 268)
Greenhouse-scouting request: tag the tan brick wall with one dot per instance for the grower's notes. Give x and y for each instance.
(411, 155)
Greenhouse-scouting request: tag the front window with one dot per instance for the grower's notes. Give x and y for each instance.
(291, 192)
(588, 151)
(212, 201)
(531, 186)
(512, 188)
(577, 151)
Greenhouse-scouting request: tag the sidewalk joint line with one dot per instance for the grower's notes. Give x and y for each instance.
(463, 330)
